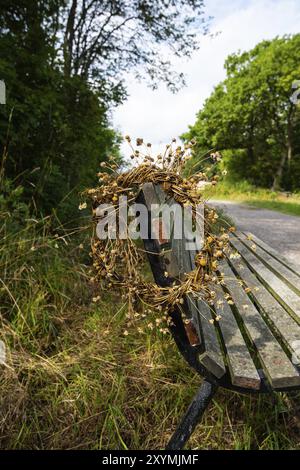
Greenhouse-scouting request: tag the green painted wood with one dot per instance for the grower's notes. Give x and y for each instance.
(212, 358)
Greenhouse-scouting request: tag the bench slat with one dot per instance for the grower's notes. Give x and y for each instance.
(280, 371)
(287, 263)
(211, 357)
(283, 324)
(273, 283)
(286, 274)
(242, 369)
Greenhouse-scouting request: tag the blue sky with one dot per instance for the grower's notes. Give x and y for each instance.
(159, 115)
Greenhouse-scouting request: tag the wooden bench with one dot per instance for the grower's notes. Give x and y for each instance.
(255, 347)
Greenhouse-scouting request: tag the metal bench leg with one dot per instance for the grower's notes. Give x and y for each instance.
(192, 416)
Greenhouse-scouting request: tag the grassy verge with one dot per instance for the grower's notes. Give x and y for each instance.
(100, 390)
(73, 380)
(245, 193)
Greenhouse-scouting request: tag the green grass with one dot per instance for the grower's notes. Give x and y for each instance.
(72, 380)
(245, 193)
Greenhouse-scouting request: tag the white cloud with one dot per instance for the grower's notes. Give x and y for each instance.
(159, 115)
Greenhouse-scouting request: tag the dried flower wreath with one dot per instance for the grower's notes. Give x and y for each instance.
(118, 263)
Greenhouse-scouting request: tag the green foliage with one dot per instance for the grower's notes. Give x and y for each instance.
(251, 115)
(37, 273)
(13, 210)
(244, 192)
(59, 130)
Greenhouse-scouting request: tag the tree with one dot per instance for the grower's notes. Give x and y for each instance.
(25, 65)
(105, 38)
(64, 63)
(59, 128)
(251, 111)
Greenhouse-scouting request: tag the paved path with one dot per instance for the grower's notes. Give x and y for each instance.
(281, 231)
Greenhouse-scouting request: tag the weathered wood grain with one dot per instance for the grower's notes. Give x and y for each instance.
(211, 358)
(181, 261)
(174, 258)
(280, 290)
(286, 262)
(242, 369)
(282, 271)
(259, 324)
(150, 195)
(279, 370)
(167, 264)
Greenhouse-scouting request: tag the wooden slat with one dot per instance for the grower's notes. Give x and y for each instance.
(288, 263)
(280, 371)
(292, 279)
(169, 257)
(179, 259)
(242, 369)
(182, 261)
(150, 195)
(284, 325)
(279, 288)
(211, 358)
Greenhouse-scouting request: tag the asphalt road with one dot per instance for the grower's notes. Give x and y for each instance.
(281, 231)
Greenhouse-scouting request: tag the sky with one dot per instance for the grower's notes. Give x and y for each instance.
(160, 115)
